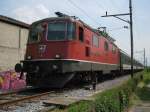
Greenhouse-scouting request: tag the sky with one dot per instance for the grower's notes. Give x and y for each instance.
(90, 11)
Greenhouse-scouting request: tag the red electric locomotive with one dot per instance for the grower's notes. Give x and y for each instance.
(62, 48)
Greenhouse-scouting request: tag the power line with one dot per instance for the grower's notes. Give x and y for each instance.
(114, 5)
(98, 4)
(84, 12)
(136, 18)
(118, 28)
(70, 9)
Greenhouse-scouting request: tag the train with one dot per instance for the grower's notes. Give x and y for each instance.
(63, 48)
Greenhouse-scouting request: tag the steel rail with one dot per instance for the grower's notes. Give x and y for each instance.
(7, 103)
(8, 93)
(13, 92)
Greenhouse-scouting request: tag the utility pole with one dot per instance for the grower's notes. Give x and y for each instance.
(131, 29)
(144, 58)
(146, 63)
(131, 35)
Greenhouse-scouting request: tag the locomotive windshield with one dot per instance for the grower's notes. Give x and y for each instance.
(55, 31)
(36, 33)
(61, 31)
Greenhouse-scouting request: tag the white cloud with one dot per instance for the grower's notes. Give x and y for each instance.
(31, 14)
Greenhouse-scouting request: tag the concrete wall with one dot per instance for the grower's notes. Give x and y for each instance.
(13, 41)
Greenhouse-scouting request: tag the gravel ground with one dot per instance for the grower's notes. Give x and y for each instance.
(82, 93)
(75, 93)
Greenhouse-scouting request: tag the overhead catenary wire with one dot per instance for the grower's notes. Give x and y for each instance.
(113, 3)
(84, 12)
(70, 9)
(136, 19)
(114, 29)
(99, 4)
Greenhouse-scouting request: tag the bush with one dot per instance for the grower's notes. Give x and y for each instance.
(81, 107)
(117, 99)
(106, 104)
(113, 100)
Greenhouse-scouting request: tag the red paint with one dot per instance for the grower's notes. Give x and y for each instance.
(75, 49)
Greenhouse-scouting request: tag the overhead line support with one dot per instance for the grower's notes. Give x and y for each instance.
(131, 29)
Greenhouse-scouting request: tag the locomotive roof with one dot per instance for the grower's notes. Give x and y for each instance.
(53, 19)
(65, 18)
(69, 18)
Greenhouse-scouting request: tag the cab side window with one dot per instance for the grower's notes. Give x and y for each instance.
(113, 49)
(106, 46)
(87, 51)
(95, 41)
(81, 34)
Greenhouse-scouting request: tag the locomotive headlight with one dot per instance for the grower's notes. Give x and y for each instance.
(55, 67)
(29, 57)
(57, 56)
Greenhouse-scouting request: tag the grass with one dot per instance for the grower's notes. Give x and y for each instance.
(142, 92)
(83, 106)
(109, 100)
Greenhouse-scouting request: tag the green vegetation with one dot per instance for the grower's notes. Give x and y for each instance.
(113, 100)
(142, 92)
(116, 99)
(83, 106)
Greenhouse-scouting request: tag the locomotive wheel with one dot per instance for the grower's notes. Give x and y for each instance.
(94, 80)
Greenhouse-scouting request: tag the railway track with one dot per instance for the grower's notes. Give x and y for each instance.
(7, 93)
(16, 98)
(15, 92)
(12, 98)
(31, 101)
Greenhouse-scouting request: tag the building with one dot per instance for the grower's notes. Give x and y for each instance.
(13, 39)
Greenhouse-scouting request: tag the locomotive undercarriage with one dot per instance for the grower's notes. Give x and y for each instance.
(56, 73)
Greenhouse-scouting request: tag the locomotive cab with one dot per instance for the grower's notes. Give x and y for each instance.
(48, 52)
(44, 35)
